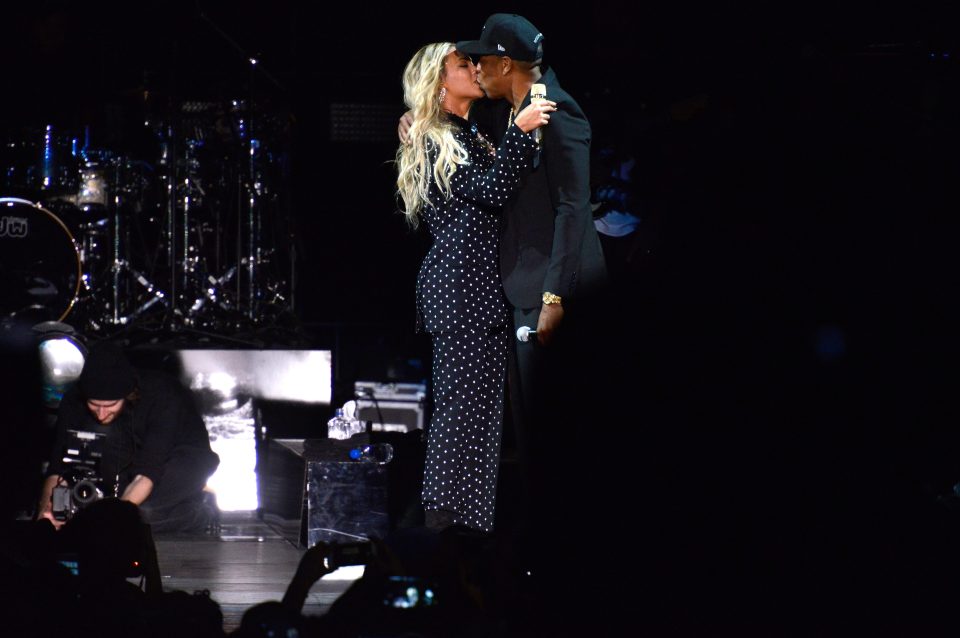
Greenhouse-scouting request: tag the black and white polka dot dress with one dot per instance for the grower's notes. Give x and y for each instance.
(460, 302)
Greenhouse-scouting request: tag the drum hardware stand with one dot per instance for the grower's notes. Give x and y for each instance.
(118, 267)
(192, 289)
(169, 160)
(210, 293)
(182, 263)
(253, 237)
(190, 262)
(185, 263)
(171, 216)
(249, 288)
(157, 295)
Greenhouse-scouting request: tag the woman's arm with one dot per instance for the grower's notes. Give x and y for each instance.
(491, 188)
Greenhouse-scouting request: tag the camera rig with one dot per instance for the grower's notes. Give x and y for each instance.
(81, 482)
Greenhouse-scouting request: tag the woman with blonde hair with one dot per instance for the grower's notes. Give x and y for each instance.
(454, 180)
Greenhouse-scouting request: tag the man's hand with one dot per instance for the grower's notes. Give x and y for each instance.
(549, 322)
(45, 506)
(403, 129)
(47, 514)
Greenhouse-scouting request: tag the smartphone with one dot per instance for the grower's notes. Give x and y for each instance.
(342, 554)
(409, 592)
(71, 562)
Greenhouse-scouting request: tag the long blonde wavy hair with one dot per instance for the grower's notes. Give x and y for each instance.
(430, 130)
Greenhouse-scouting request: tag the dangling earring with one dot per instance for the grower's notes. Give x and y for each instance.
(443, 94)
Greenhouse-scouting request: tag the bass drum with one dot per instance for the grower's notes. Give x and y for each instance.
(40, 267)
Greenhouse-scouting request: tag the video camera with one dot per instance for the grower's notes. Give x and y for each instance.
(82, 483)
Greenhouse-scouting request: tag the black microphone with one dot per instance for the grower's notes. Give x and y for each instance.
(524, 332)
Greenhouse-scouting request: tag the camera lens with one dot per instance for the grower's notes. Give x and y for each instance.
(85, 492)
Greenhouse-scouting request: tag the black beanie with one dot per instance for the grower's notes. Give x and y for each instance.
(107, 375)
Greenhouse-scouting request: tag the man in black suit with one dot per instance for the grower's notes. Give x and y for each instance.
(551, 262)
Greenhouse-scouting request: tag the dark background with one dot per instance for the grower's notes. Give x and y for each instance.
(780, 370)
(782, 135)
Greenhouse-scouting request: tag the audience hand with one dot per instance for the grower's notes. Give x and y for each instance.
(312, 567)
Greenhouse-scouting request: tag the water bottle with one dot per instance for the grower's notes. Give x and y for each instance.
(338, 427)
(343, 425)
(372, 453)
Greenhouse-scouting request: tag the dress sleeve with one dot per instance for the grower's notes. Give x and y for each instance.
(492, 188)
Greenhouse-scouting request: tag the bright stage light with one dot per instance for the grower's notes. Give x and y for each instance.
(62, 353)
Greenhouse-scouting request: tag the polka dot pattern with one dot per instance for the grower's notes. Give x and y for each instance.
(463, 447)
(458, 286)
(460, 302)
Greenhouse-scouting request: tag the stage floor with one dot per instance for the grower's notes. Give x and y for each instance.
(247, 563)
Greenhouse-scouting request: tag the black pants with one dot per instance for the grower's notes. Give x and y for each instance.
(556, 396)
(536, 406)
(176, 502)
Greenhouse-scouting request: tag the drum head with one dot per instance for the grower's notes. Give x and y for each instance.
(40, 270)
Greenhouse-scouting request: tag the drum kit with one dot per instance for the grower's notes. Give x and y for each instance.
(105, 240)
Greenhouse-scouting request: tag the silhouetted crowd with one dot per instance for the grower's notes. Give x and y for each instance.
(95, 577)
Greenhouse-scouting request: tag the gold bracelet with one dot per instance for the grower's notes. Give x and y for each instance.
(550, 298)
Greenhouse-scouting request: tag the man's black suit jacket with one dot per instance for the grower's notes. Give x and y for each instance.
(548, 242)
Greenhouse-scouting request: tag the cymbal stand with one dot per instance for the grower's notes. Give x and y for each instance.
(253, 209)
(168, 159)
(175, 244)
(190, 255)
(183, 262)
(120, 264)
(250, 254)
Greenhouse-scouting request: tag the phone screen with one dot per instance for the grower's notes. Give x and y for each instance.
(348, 554)
(72, 565)
(407, 592)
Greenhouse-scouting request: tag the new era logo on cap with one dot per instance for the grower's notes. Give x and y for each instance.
(500, 47)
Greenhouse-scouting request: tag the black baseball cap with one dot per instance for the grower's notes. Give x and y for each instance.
(505, 34)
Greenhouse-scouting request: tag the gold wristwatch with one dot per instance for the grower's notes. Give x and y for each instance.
(550, 298)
